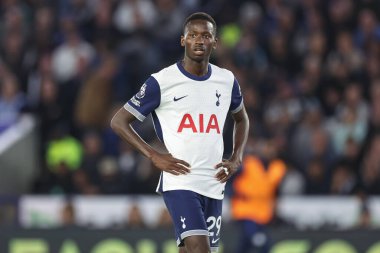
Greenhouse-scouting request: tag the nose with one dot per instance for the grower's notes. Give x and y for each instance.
(199, 40)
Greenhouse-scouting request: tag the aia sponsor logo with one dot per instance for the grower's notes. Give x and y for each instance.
(205, 125)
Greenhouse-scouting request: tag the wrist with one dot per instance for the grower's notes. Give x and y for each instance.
(151, 153)
(237, 158)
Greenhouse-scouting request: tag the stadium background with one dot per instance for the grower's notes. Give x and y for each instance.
(310, 73)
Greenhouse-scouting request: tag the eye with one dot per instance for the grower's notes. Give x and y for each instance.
(192, 36)
(207, 36)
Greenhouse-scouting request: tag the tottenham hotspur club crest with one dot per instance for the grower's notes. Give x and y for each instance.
(183, 222)
(217, 96)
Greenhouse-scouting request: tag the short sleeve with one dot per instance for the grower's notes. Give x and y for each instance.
(146, 100)
(236, 98)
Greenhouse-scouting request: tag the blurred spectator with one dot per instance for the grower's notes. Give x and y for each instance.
(350, 120)
(293, 182)
(58, 180)
(63, 157)
(253, 202)
(92, 154)
(370, 167)
(49, 111)
(135, 218)
(317, 178)
(128, 160)
(72, 57)
(12, 102)
(343, 180)
(12, 52)
(111, 142)
(346, 56)
(250, 17)
(68, 215)
(43, 30)
(82, 184)
(134, 15)
(340, 14)
(79, 10)
(94, 98)
(101, 29)
(43, 70)
(368, 28)
(8, 211)
(111, 180)
(365, 217)
(248, 55)
(351, 154)
(374, 117)
(168, 28)
(63, 148)
(164, 219)
(311, 140)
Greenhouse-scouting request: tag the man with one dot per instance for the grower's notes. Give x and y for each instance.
(189, 102)
(254, 197)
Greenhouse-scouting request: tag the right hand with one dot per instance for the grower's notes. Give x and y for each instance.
(170, 164)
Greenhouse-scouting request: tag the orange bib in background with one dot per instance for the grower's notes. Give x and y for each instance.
(255, 190)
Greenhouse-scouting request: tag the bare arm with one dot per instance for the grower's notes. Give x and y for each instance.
(240, 134)
(121, 124)
(240, 138)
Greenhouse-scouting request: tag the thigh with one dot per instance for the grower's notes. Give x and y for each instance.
(197, 244)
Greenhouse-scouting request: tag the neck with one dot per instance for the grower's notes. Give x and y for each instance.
(194, 67)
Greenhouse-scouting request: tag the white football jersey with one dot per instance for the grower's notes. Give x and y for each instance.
(189, 113)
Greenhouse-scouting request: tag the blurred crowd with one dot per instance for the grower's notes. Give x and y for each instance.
(309, 71)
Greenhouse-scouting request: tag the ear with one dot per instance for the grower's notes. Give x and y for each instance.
(182, 41)
(215, 43)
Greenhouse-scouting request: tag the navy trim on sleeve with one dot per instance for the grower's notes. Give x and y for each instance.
(236, 98)
(146, 100)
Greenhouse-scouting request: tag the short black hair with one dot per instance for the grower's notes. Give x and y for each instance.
(202, 16)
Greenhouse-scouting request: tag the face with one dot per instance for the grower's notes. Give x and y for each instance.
(198, 40)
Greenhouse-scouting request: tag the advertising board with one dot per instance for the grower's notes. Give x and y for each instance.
(77, 240)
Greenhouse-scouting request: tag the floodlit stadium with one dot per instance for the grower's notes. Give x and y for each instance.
(307, 73)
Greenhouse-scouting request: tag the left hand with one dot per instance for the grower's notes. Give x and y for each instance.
(229, 167)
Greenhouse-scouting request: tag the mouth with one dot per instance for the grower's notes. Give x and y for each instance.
(199, 50)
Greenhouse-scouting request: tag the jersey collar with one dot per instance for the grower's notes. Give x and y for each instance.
(194, 77)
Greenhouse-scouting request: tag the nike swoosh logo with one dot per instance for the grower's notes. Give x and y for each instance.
(215, 241)
(176, 99)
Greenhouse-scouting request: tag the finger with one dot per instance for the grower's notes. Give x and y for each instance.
(222, 174)
(174, 172)
(179, 168)
(225, 179)
(182, 162)
(219, 165)
(182, 167)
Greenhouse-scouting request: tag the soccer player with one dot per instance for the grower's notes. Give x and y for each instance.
(189, 102)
